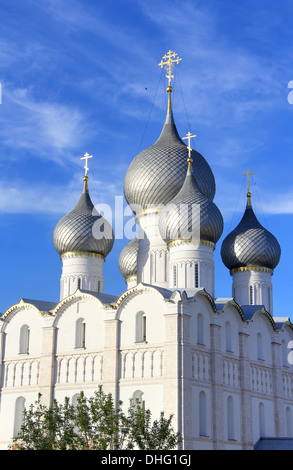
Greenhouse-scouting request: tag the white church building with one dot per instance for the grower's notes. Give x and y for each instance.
(221, 366)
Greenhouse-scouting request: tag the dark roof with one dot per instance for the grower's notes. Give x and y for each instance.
(274, 443)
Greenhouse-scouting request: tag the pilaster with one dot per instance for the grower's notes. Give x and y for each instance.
(245, 386)
(278, 390)
(47, 365)
(217, 387)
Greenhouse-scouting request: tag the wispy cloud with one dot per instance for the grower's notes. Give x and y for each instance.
(43, 128)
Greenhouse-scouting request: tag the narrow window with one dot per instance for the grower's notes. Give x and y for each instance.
(137, 399)
(288, 421)
(200, 329)
(251, 295)
(262, 431)
(99, 286)
(144, 328)
(79, 283)
(80, 333)
(174, 276)
(140, 327)
(18, 415)
(259, 346)
(202, 414)
(230, 417)
(228, 336)
(196, 276)
(24, 340)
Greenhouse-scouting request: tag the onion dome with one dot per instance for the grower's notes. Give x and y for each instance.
(83, 229)
(190, 215)
(250, 244)
(156, 174)
(128, 259)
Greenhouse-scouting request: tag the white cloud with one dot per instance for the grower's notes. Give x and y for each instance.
(46, 129)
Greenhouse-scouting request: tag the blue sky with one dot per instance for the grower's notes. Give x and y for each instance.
(83, 76)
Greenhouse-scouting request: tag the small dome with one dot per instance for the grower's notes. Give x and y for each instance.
(156, 174)
(191, 214)
(128, 259)
(83, 229)
(250, 244)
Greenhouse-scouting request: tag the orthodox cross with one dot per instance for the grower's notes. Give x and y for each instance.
(171, 58)
(189, 136)
(86, 157)
(248, 174)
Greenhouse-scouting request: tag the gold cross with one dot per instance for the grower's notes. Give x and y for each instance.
(248, 174)
(170, 60)
(86, 157)
(189, 136)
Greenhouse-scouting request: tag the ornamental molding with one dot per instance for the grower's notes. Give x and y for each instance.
(75, 254)
(178, 242)
(23, 306)
(78, 295)
(251, 268)
(138, 289)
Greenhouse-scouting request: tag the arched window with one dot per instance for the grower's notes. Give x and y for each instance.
(141, 325)
(261, 417)
(200, 329)
(75, 399)
(137, 398)
(289, 421)
(228, 336)
(202, 414)
(24, 340)
(79, 283)
(80, 331)
(18, 415)
(230, 418)
(259, 346)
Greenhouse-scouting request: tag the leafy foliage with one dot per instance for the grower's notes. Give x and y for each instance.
(94, 424)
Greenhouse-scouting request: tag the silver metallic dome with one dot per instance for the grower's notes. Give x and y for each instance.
(191, 214)
(83, 229)
(128, 259)
(156, 174)
(250, 244)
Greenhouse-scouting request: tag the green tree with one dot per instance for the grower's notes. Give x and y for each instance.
(94, 423)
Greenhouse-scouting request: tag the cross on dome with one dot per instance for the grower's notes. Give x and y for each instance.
(171, 58)
(248, 174)
(86, 157)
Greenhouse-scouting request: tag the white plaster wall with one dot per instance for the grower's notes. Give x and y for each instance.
(7, 420)
(152, 396)
(268, 417)
(153, 307)
(261, 284)
(89, 269)
(261, 325)
(93, 314)
(24, 316)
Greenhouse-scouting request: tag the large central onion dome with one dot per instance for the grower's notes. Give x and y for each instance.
(156, 174)
(191, 215)
(83, 229)
(250, 244)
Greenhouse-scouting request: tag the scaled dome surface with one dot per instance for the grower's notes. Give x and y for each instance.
(83, 229)
(250, 244)
(127, 261)
(157, 174)
(191, 215)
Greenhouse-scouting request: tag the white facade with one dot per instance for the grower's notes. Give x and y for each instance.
(223, 371)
